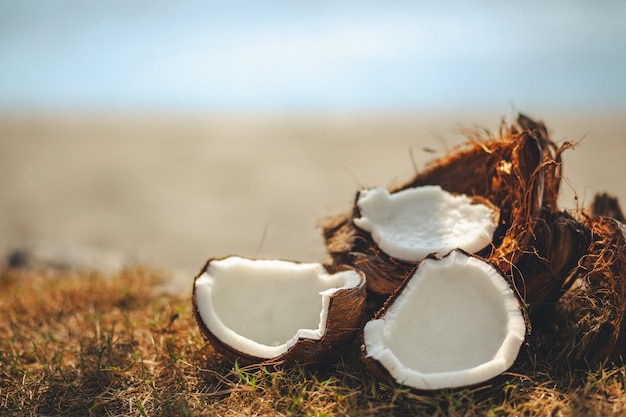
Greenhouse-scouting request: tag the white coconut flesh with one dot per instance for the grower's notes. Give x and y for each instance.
(415, 222)
(262, 307)
(457, 322)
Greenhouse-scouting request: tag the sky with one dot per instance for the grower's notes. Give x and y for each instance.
(310, 55)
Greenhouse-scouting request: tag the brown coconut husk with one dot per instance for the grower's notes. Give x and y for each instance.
(552, 163)
(607, 205)
(545, 270)
(587, 324)
(518, 171)
(345, 319)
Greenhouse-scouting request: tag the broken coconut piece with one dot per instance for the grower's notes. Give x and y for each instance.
(415, 222)
(454, 322)
(271, 310)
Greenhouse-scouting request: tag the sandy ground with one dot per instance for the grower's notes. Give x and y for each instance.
(174, 191)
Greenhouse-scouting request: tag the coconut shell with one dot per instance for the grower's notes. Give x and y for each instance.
(517, 172)
(344, 321)
(586, 324)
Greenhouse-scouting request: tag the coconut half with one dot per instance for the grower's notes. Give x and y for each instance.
(454, 322)
(271, 310)
(415, 222)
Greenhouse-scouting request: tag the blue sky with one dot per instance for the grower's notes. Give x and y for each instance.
(289, 54)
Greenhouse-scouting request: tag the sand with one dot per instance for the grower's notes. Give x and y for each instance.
(172, 191)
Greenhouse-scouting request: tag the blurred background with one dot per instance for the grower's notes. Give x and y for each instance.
(168, 132)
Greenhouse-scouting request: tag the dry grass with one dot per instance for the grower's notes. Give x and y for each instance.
(77, 344)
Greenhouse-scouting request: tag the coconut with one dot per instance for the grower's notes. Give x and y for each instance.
(272, 311)
(586, 324)
(517, 172)
(454, 322)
